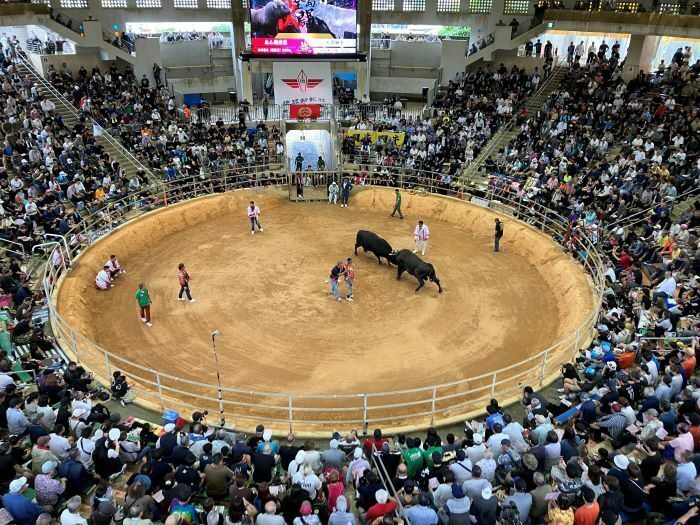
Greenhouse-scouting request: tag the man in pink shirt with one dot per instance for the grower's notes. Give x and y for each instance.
(682, 443)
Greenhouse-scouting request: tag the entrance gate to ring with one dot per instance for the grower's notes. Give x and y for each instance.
(310, 184)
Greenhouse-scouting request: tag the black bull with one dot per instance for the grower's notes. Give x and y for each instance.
(371, 242)
(407, 261)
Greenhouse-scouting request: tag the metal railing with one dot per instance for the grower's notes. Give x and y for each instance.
(416, 407)
(260, 112)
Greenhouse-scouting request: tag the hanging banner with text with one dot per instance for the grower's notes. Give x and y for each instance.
(359, 134)
(302, 82)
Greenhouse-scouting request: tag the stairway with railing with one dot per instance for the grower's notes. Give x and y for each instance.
(474, 174)
(72, 116)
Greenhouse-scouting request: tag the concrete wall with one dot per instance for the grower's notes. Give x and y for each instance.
(88, 60)
(192, 53)
(452, 59)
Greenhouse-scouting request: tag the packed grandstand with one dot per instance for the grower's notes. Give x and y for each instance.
(613, 441)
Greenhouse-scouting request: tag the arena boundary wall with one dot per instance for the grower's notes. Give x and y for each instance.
(314, 415)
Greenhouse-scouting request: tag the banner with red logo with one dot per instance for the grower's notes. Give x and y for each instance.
(302, 111)
(302, 83)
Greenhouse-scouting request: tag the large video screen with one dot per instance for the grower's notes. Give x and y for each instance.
(303, 27)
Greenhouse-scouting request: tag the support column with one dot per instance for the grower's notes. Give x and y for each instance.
(640, 54)
(364, 26)
(239, 16)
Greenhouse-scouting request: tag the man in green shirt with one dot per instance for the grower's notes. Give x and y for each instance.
(428, 453)
(397, 204)
(413, 458)
(144, 301)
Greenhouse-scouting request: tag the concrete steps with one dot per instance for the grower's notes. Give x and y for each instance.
(474, 174)
(71, 116)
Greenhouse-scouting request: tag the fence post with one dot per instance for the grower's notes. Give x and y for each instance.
(364, 413)
(291, 416)
(75, 345)
(544, 363)
(493, 384)
(432, 407)
(109, 366)
(160, 390)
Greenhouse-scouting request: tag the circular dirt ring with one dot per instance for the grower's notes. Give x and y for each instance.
(282, 333)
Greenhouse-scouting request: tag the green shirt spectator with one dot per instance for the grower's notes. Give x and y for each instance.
(414, 461)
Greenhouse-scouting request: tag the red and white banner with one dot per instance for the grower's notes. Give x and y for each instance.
(302, 83)
(302, 111)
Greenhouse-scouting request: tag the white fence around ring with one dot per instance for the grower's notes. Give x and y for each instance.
(314, 414)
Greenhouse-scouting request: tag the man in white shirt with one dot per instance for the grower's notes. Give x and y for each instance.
(58, 444)
(71, 515)
(113, 266)
(103, 281)
(666, 288)
(253, 214)
(83, 402)
(462, 468)
(5, 381)
(421, 234)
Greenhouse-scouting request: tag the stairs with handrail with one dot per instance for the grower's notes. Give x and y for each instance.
(72, 116)
(509, 131)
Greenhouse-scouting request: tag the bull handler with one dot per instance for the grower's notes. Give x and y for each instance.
(336, 272)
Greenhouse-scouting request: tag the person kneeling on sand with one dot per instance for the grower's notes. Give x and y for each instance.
(103, 281)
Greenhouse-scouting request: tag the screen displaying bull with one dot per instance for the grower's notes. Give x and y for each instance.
(303, 27)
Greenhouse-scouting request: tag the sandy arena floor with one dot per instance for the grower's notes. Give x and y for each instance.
(282, 331)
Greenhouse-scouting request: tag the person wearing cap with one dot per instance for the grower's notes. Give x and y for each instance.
(340, 516)
(48, 488)
(307, 515)
(476, 452)
(385, 505)
(542, 427)
(508, 458)
(349, 274)
(21, 508)
(168, 440)
(484, 506)
(76, 423)
(333, 457)
(421, 234)
(267, 440)
(41, 454)
(356, 468)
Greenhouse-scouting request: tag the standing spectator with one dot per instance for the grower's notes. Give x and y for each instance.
(144, 301)
(184, 279)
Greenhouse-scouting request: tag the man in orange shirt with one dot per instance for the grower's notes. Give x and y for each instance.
(349, 272)
(184, 279)
(587, 514)
(690, 361)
